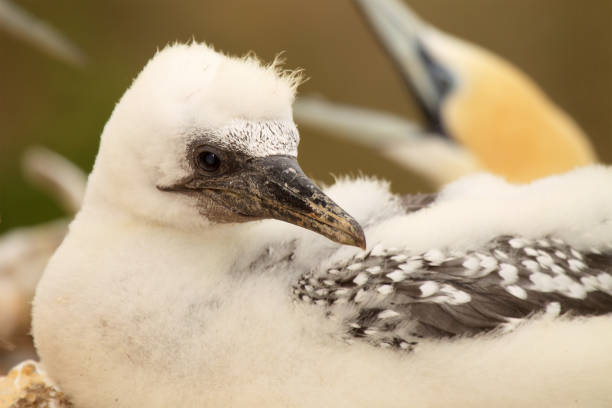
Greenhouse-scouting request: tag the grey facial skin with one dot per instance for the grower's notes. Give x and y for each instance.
(245, 188)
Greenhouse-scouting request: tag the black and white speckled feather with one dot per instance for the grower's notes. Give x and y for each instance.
(390, 297)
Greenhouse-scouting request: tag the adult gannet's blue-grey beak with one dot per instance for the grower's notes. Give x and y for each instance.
(234, 187)
(399, 30)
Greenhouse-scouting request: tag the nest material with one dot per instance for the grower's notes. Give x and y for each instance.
(27, 386)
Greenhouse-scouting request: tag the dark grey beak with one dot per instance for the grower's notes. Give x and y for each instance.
(276, 187)
(400, 31)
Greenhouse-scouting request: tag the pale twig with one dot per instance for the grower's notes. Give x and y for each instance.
(398, 139)
(366, 126)
(20, 23)
(56, 175)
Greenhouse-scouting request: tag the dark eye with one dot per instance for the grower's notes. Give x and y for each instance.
(208, 161)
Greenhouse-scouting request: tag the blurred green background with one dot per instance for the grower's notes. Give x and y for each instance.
(565, 45)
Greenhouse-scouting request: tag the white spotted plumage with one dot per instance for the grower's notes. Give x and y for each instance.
(529, 271)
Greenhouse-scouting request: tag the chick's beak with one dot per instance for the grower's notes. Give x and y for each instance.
(276, 187)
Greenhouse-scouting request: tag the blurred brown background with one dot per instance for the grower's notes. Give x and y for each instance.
(565, 45)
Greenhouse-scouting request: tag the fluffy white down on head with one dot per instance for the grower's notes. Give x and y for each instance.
(182, 92)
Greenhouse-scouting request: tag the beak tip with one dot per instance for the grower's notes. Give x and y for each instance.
(361, 242)
(358, 237)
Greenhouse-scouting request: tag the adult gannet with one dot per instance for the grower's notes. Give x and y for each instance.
(503, 122)
(177, 285)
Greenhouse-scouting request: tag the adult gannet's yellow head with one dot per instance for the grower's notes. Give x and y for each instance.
(478, 99)
(502, 116)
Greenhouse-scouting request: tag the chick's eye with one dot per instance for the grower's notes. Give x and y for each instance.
(209, 161)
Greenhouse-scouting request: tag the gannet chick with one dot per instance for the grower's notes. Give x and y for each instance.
(500, 118)
(179, 284)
